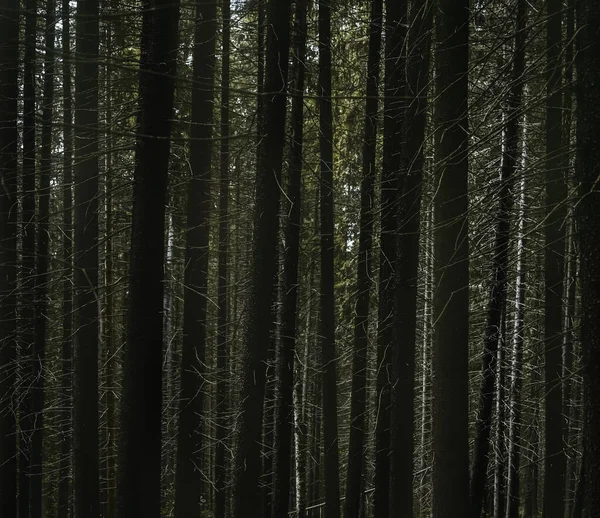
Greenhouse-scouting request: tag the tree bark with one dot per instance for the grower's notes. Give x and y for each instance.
(588, 218)
(9, 57)
(555, 459)
(190, 443)
(327, 299)
(358, 402)
(284, 411)
(451, 298)
(247, 468)
(64, 486)
(85, 388)
(140, 448)
(222, 401)
(500, 264)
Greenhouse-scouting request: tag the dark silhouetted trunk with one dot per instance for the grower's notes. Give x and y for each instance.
(222, 402)
(189, 479)
(28, 221)
(327, 299)
(500, 265)
(284, 410)
(358, 405)
(140, 449)
(588, 219)
(9, 57)
(64, 485)
(451, 256)
(555, 458)
(85, 382)
(43, 261)
(247, 466)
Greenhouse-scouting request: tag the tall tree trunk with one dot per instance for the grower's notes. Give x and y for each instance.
(222, 406)
(588, 218)
(28, 265)
(140, 449)
(190, 444)
(43, 261)
(327, 299)
(284, 411)
(247, 469)
(358, 405)
(110, 363)
(64, 486)
(555, 459)
(513, 484)
(85, 382)
(499, 279)
(451, 298)
(411, 164)
(9, 57)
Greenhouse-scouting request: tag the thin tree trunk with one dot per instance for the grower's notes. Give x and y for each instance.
(9, 57)
(85, 388)
(247, 469)
(64, 485)
(190, 443)
(588, 218)
(358, 404)
(451, 298)
(43, 261)
(555, 459)
(513, 485)
(284, 411)
(140, 450)
(28, 253)
(222, 407)
(499, 280)
(327, 299)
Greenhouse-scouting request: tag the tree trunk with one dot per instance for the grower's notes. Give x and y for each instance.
(64, 486)
(499, 280)
(222, 406)
(555, 459)
(513, 484)
(140, 449)
(284, 411)
(247, 469)
(588, 218)
(43, 261)
(327, 299)
(190, 444)
(28, 254)
(9, 57)
(85, 388)
(358, 404)
(451, 298)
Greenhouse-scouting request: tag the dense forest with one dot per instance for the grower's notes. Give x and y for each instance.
(316, 259)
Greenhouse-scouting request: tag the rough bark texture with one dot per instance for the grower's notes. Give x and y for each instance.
(140, 448)
(247, 468)
(85, 382)
(9, 57)
(588, 218)
(189, 479)
(358, 406)
(555, 459)
(451, 297)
